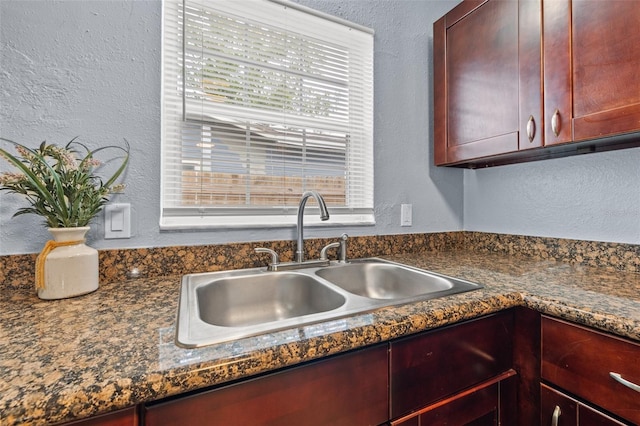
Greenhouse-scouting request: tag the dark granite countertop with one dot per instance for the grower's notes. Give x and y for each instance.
(114, 348)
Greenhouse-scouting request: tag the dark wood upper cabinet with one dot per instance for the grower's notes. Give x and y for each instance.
(487, 68)
(532, 79)
(591, 72)
(557, 72)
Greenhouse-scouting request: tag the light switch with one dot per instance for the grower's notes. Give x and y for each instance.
(405, 214)
(117, 221)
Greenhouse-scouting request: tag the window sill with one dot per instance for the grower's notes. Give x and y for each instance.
(253, 222)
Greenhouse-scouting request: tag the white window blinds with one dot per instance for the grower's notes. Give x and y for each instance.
(262, 101)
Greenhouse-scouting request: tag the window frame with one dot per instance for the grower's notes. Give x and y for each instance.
(199, 217)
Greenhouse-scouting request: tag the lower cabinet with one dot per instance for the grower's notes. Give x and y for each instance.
(559, 409)
(514, 367)
(509, 368)
(487, 404)
(348, 390)
(457, 375)
(597, 369)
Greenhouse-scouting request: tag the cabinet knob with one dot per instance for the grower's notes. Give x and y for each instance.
(531, 128)
(555, 122)
(555, 417)
(618, 378)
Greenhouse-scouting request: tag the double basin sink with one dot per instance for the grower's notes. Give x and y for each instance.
(218, 307)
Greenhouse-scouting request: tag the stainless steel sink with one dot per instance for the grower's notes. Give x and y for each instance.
(261, 298)
(223, 306)
(218, 307)
(391, 281)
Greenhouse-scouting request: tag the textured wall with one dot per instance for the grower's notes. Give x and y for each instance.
(92, 68)
(587, 197)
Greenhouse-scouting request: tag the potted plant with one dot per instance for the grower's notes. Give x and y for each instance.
(63, 186)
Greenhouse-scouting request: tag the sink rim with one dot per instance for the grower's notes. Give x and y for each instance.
(193, 332)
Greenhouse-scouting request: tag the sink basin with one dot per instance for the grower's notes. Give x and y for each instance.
(218, 307)
(391, 281)
(260, 298)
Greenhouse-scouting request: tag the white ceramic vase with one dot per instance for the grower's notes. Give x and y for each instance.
(69, 270)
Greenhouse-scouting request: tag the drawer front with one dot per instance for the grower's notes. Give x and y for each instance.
(580, 361)
(489, 403)
(591, 417)
(554, 405)
(437, 364)
(478, 408)
(562, 410)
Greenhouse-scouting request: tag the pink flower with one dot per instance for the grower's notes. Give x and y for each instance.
(10, 178)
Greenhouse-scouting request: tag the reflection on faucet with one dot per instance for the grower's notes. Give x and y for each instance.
(324, 215)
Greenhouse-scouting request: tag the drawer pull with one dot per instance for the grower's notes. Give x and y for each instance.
(618, 378)
(531, 128)
(555, 418)
(555, 122)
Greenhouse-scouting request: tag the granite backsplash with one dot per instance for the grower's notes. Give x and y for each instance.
(116, 264)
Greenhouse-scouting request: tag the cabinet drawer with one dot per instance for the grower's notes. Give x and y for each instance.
(569, 412)
(487, 404)
(555, 404)
(437, 364)
(590, 417)
(478, 408)
(580, 361)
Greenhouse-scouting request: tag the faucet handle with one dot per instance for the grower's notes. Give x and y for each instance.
(323, 252)
(274, 256)
(343, 248)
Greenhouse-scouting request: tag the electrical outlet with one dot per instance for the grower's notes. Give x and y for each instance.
(405, 214)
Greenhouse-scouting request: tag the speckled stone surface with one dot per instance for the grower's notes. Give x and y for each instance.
(115, 265)
(114, 348)
(614, 256)
(18, 270)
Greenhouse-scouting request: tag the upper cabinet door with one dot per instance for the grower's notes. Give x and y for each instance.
(523, 80)
(591, 69)
(487, 79)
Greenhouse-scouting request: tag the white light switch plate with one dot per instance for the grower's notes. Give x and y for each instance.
(405, 215)
(117, 221)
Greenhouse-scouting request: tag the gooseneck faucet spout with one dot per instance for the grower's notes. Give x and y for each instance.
(324, 215)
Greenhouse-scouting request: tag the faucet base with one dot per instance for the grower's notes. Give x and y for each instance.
(288, 266)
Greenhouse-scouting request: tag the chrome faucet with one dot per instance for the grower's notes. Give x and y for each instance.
(324, 215)
(299, 261)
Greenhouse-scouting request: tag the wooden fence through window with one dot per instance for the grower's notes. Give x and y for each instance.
(230, 189)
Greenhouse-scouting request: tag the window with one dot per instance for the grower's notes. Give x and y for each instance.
(263, 100)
